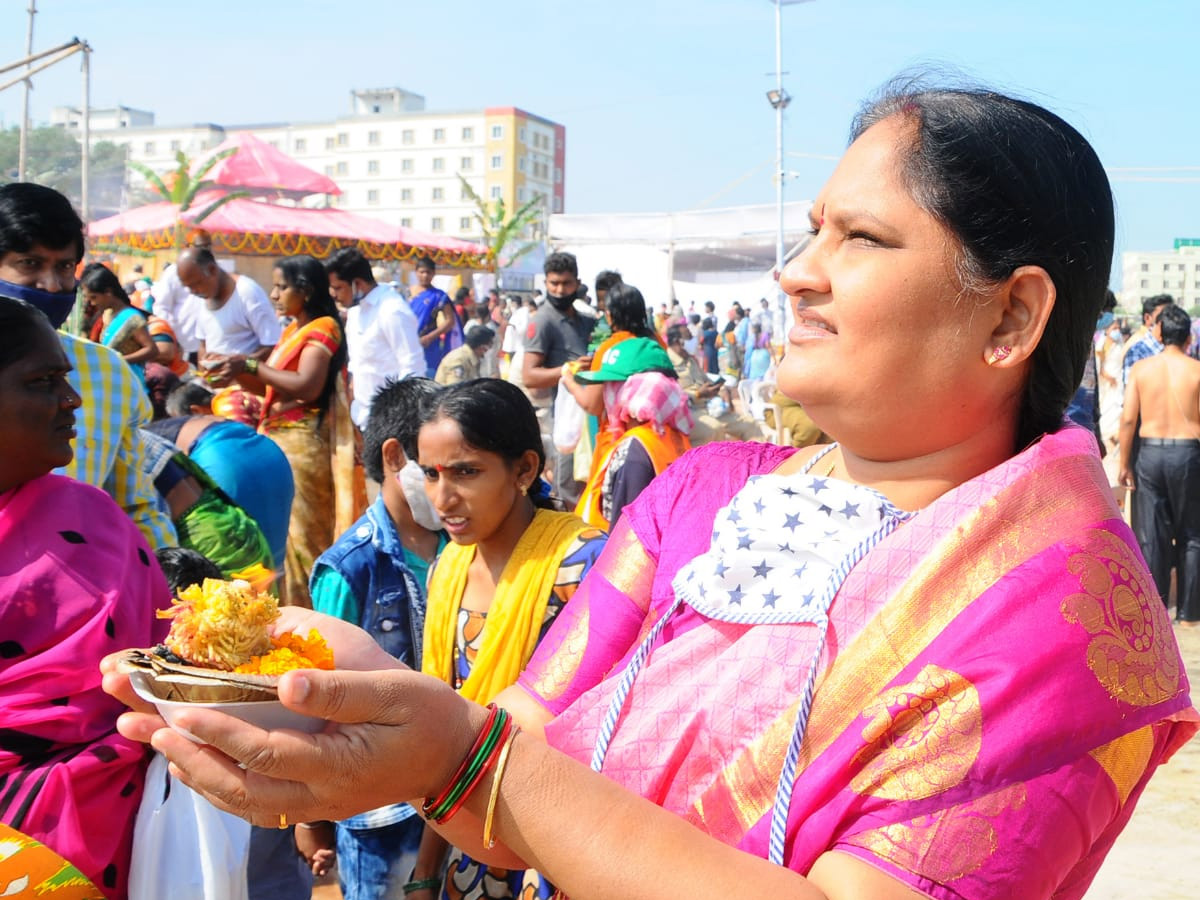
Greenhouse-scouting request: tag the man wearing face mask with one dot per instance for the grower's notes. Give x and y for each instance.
(374, 576)
(556, 334)
(381, 330)
(41, 243)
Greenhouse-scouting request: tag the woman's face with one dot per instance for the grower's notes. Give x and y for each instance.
(37, 412)
(288, 300)
(475, 492)
(887, 349)
(99, 300)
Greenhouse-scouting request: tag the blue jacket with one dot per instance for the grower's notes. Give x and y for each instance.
(371, 559)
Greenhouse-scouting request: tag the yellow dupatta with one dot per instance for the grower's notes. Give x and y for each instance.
(514, 619)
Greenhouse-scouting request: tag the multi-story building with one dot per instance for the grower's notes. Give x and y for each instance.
(1175, 272)
(393, 159)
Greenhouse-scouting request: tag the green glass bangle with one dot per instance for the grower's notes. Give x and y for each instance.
(468, 776)
(425, 884)
(251, 366)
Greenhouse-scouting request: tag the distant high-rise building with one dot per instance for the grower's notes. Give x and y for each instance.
(1145, 273)
(393, 159)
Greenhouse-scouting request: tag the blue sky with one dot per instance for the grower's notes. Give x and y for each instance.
(664, 102)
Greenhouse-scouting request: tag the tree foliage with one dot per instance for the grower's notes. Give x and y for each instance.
(499, 230)
(182, 185)
(56, 160)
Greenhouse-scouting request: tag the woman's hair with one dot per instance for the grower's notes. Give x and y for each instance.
(494, 416)
(1017, 186)
(185, 395)
(100, 279)
(309, 277)
(627, 307)
(19, 323)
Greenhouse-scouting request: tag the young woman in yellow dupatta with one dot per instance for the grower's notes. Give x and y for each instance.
(303, 411)
(513, 564)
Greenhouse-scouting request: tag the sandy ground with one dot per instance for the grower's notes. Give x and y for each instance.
(1157, 857)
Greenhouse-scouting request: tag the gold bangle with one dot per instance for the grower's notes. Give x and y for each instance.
(489, 839)
(283, 820)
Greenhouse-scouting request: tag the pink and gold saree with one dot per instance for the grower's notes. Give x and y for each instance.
(77, 582)
(998, 682)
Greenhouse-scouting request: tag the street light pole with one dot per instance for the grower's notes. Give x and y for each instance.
(23, 152)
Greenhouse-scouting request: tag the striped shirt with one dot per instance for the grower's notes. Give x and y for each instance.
(109, 453)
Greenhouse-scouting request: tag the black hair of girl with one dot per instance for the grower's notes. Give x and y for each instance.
(19, 325)
(1017, 186)
(494, 416)
(627, 308)
(100, 279)
(307, 275)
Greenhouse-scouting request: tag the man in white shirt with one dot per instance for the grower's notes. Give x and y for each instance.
(238, 317)
(177, 305)
(381, 330)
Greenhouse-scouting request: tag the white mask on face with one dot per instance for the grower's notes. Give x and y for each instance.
(412, 482)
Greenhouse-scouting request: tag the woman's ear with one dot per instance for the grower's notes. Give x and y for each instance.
(527, 467)
(394, 458)
(1027, 299)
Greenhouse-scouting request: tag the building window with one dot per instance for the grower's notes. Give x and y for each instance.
(1166, 267)
(1145, 267)
(343, 168)
(522, 135)
(557, 175)
(373, 138)
(497, 132)
(148, 148)
(406, 136)
(497, 192)
(406, 165)
(329, 170)
(406, 195)
(438, 195)
(521, 164)
(301, 145)
(468, 133)
(1145, 282)
(497, 162)
(372, 167)
(464, 224)
(330, 143)
(406, 222)
(343, 139)
(439, 135)
(466, 163)
(373, 197)
(439, 164)
(175, 146)
(435, 224)
(558, 204)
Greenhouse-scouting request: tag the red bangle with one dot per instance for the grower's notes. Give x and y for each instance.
(483, 770)
(432, 804)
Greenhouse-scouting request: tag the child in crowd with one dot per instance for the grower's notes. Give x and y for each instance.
(374, 576)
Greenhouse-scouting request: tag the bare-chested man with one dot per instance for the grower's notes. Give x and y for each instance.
(1164, 390)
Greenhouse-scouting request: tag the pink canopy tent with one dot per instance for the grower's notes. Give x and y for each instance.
(257, 166)
(254, 228)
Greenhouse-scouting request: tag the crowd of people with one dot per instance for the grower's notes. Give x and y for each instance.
(596, 636)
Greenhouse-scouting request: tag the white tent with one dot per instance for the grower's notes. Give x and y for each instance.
(721, 255)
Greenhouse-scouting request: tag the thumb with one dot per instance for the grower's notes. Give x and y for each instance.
(388, 697)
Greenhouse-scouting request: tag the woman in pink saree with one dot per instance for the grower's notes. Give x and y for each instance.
(77, 582)
(924, 661)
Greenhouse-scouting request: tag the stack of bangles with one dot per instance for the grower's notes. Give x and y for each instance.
(491, 749)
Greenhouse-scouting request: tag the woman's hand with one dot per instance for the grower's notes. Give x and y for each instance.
(316, 843)
(220, 371)
(393, 736)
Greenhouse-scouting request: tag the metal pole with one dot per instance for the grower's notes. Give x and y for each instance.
(780, 298)
(85, 166)
(23, 153)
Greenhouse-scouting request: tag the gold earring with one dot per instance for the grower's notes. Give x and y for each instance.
(999, 354)
(524, 490)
